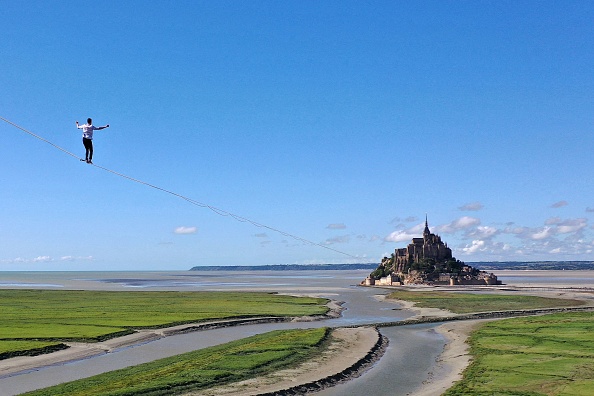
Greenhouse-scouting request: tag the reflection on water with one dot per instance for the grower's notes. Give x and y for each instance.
(27, 285)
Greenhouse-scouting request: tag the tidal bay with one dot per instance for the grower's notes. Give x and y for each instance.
(363, 306)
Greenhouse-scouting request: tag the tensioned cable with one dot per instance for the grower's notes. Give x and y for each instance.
(216, 210)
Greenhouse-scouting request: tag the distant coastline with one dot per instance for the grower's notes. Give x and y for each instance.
(287, 267)
(534, 265)
(482, 265)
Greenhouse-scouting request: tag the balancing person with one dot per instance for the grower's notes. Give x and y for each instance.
(88, 129)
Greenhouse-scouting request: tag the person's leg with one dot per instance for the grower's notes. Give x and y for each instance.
(86, 149)
(88, 143)
(90, 150)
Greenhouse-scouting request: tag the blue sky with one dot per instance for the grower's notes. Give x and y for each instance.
(340, 122)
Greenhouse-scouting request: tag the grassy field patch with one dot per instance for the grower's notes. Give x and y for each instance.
(10, 349)
(62, 315)
(231, 362)
(479, 302)
(541, 355)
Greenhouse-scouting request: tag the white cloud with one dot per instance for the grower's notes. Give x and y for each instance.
(46, 259)
(338, 239)
(73, 258)
(185, 230)
(406, 235)
(337, 226)
(553, 226)
(409, 219)
(462, 223)
(571, 225)
(553, 220)
(483, 232)
(473, 206)
(477, 245)
(400, 236)
(559, 204)
(515, 230)
(42, 259)
(261, 235)
(544, 233)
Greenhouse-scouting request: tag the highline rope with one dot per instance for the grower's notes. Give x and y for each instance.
(216, 210)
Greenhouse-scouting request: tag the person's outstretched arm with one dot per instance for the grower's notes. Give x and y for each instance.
(103, 127)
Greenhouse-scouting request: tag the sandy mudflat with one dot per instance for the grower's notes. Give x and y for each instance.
(349, 346)
(453, 360)
(76, 351)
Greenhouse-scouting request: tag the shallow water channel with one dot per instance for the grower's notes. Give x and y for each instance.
(407, 362)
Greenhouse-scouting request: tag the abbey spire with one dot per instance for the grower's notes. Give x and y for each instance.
(426, 232)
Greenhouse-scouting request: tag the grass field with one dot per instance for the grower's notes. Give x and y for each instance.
(538, 355)
(10, 349)
(231, 362)
(541, 355)
(34, 320)
(473, 302)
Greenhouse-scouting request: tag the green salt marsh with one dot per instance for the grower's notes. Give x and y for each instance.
(529, 356)
(204, 368)
(538, 355)
(461, 303)
(34, 321)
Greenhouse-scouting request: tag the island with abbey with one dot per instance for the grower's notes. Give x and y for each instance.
(429, 261)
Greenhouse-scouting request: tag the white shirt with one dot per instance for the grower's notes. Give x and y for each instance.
(87, 130)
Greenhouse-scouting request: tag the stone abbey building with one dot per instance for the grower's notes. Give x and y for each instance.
(428, 247)
(427, 260)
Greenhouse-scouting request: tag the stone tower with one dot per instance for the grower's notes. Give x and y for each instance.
(428, 247)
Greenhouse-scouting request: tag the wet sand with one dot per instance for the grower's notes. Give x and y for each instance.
(452, 361)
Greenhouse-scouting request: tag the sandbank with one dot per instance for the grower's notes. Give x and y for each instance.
(452, 361)
(349, 346)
